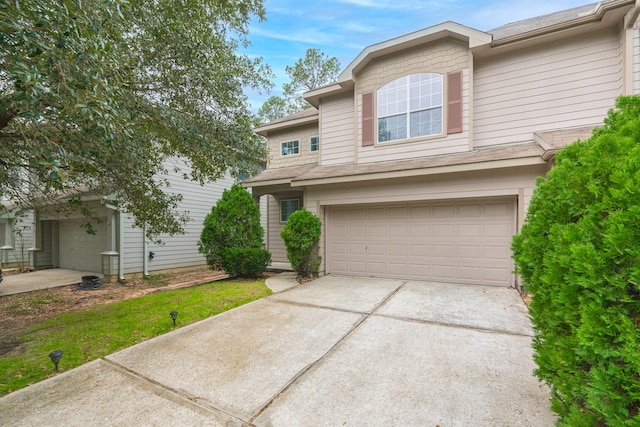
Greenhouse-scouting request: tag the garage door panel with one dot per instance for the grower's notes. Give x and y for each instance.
(443, 211)
(470, 230)
(377, 230)
(400, 250)
(419, 230)
(79, 250)
(469, 211)
(501, 210)
(471, 252)
(467, 241)
(419, 250)
(356, 231)
(443, 230)
(419, 212)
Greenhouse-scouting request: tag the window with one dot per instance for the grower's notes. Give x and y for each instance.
(410, 107)
(287, 207)
(314, 143)
(289, 148)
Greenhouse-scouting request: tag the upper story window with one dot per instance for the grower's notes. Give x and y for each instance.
(289, 148)
(314, 143)
(410, 107)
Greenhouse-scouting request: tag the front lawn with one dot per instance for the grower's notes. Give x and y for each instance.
(93, 333)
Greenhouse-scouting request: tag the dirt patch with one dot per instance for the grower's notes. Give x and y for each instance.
(22, 310)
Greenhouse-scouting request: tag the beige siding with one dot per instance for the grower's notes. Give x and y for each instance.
(636, 58)
(439, 57)
(302, 134)
(572, 83)
(276, 244)
(496, 183)
(180, 250)
(337, 141)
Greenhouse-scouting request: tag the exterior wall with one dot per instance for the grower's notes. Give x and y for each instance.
(276, 244)
(305, 156)
(636, 57)
(180, 250)
(518, 182)
(337, 130)
(438, 57)
(18, 233)
(565, 84)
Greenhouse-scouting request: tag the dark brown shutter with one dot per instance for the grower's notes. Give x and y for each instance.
(454, 102)
(367, 119)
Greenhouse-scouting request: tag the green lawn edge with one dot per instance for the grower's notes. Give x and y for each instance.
(91, 334)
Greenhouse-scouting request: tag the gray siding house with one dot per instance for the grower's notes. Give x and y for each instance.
(421, 159)
(118, 249)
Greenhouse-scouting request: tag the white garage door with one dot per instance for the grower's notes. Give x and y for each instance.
(461, 242)
(80, 250)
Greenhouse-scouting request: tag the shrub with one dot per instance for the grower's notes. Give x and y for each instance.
(234, 222)
(578, 254)
(301, 236)
(245, 262)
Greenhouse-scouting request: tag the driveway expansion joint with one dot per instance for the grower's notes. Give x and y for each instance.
(196, 403)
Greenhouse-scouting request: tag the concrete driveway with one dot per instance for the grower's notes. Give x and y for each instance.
(337, 351)
(41, 279)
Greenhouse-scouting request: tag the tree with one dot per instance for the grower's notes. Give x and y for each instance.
(274, 108)
(301, 235)
(231, 238)
(316, 69)
(98, 95)
(578, 255)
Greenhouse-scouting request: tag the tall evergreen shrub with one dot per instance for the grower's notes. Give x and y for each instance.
(301, 236)
(231, 238)
(578, 254)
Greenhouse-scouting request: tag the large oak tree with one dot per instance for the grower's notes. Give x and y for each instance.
(97, 95)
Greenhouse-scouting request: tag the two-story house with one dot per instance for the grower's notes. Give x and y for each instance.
(421, 158)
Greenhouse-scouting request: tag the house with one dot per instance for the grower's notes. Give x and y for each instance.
(16, 236)
(421, 159)
(117, 249)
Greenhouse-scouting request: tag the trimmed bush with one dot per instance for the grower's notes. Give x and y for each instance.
(233, 223)
(578, 254)
(301, 236)
(245, 262)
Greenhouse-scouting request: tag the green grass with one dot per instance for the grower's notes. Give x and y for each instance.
(87, 335)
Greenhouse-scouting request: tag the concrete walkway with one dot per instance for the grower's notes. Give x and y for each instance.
(337, 351)
(42, 279)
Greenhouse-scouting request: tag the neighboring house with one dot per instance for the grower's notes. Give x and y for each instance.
(16, 237)
(422, 158)
(118, 249)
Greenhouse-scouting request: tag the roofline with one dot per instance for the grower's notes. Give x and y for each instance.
(466, 167)
(446, 29)
(595, 15)
(265, 129)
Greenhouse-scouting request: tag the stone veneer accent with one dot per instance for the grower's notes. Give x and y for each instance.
(302, 134)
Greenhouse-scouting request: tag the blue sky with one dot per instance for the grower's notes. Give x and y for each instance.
(342, 28)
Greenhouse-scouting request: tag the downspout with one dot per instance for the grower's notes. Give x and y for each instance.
(120, 246)
(145, 261)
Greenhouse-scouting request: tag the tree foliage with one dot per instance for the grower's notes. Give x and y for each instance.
(230, 230)
(274, 108)
(578, 254)
(316, 69)
(301, 235)
(97, 95)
